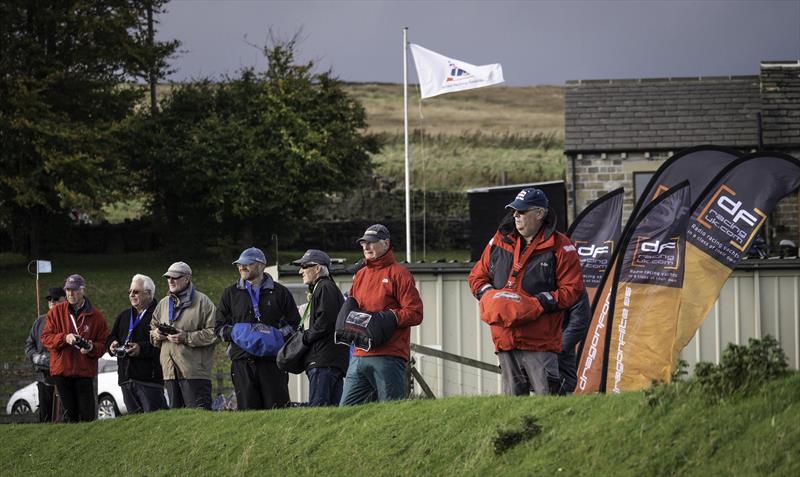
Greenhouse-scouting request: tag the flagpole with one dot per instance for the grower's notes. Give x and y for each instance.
(405, 132)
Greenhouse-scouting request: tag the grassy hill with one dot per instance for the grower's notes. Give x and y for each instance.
(595, 435)
(468, 139)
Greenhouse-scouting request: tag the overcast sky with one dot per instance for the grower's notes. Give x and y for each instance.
(537, 42)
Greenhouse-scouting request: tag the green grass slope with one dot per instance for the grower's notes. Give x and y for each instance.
(595, 435)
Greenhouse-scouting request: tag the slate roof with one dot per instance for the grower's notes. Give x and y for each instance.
(661, 113)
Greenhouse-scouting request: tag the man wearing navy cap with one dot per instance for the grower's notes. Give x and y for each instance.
(256, 299)
(526, 277)
(326, 361)
(40, 357)
(382, 285)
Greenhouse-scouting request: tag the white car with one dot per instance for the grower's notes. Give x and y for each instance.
(109, 394)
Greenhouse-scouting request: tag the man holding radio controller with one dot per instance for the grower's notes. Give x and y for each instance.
(183, 327)
(75, 334)
(138, 365)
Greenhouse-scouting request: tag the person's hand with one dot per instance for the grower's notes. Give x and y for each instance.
(70, 339)
(89, 349)
(133, 349)
(157, 335)
(112, 348)
(179, 337)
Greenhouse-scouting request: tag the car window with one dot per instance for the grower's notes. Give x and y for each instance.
(106, 365)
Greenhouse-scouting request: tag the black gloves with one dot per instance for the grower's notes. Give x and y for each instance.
(548, 302)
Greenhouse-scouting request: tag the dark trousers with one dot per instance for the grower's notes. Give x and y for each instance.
(78, 399)
(46, 392)
(140, 397)
(324, 386)
(189, 393)
(567, 369)
(259, 384)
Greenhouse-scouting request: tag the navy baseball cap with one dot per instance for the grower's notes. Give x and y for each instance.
(374, 233)
(528, 199)
(55, 293)
(317, 257)
(251, 255)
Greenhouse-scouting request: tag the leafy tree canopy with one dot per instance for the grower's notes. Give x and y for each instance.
(63, 69)
(244, 158)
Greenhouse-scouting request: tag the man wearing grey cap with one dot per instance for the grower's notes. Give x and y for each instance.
(183, 327)
(382, 285)
(326, 361)
(255, 302)
(40, 357)
(75, 334)
(526, 277)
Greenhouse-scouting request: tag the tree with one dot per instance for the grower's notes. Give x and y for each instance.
(66, 68)
(248, 156)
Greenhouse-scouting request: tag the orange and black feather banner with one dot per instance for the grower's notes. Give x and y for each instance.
(725, 220)
(595, 233)
(628, 328)
(698, 165)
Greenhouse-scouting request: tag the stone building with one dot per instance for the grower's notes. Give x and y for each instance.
(618, 132)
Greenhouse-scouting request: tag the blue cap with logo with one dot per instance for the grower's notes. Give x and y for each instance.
(529, 198)
(251, 255)
(374, 233)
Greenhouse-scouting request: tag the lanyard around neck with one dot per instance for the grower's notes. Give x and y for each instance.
(255, 294)
(132, 324)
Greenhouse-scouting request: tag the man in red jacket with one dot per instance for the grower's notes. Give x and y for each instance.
(527, 276)
(75, 333)
(383, 284)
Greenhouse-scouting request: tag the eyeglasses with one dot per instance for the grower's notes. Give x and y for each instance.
(175, 278)
(136, 292)
(306, 266)
(519, 213)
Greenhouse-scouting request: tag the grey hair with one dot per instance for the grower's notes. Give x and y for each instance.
(323, 271)
(147, 283)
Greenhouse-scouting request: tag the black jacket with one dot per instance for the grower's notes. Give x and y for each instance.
(275, 303)
(146, 366)
(326, 300)
(37, 353)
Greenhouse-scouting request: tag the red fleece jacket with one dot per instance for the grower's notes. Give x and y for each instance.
(384, 284)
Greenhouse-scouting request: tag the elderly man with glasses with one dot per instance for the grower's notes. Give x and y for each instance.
(255, 305)
(183, 327)
(527, 276)
(326, 361)
(139, 369)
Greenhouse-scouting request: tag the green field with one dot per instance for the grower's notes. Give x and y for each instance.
(577, 436)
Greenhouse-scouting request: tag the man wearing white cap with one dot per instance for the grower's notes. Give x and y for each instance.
(183, 327)
(75, 334)
(254, 308)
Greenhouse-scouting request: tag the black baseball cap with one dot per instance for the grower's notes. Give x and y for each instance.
(55, 293)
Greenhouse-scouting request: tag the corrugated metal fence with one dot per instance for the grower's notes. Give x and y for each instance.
(761, 298)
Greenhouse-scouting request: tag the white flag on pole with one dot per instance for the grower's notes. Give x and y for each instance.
(439, 74)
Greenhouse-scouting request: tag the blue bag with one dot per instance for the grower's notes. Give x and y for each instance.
(257, 339)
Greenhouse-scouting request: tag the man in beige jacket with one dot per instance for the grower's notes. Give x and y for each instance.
(183, 327)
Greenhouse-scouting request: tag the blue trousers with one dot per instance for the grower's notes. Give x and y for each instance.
(371, 378)
(324, 386)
